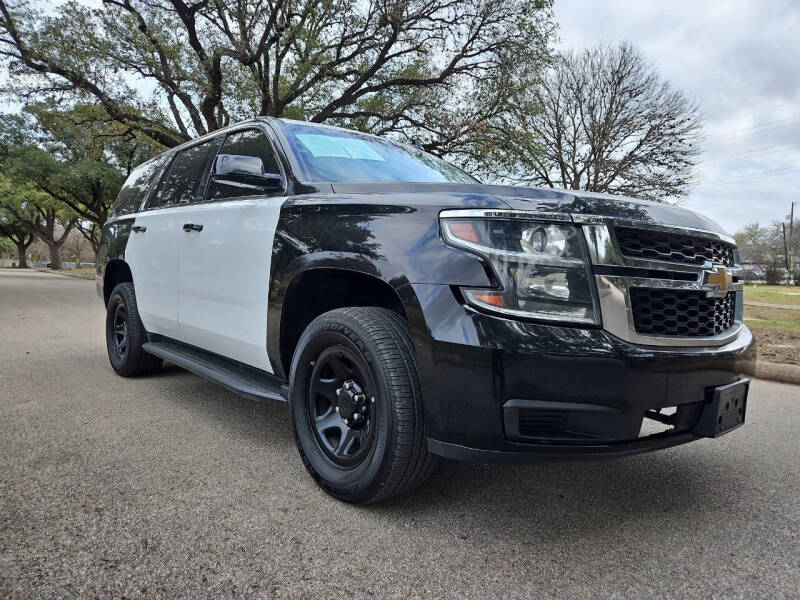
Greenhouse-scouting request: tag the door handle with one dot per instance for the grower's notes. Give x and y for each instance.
(192, 227)
(139, 228)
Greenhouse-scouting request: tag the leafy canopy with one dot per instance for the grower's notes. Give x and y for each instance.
(439, 70)
(78, 157)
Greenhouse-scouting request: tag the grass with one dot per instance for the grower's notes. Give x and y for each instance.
(775, 294)
(772, 317)
(777, 332)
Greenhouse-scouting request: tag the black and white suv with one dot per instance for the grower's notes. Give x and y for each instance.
(406, 311)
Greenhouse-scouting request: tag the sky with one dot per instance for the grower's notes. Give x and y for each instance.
(740, 61)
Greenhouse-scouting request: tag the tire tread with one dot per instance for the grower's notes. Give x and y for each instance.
(137, 362)
(390, 343)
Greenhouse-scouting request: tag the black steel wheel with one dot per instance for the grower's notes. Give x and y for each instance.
(120, 331)
(125, 334)
(356, 405)
(341, 408)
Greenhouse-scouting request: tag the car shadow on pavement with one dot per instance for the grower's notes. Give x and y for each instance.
(526, 503)
(673, 488)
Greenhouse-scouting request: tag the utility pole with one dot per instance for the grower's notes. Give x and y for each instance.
(786, 254)
(791, 233)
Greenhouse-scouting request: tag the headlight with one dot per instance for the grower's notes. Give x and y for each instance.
(542, 267)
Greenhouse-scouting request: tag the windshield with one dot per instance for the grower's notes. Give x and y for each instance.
(328, 154)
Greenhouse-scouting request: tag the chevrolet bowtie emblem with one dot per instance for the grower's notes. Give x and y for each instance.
(720, 279)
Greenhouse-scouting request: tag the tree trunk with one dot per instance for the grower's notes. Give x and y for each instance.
(77, 261)
(22, 256)
(55, 255)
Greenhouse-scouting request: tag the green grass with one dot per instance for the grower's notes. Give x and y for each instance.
(758, 317)
(777, 332)
(82, 271)
(775, 294)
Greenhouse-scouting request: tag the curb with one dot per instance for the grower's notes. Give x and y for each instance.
(781, 373)
(65, 274)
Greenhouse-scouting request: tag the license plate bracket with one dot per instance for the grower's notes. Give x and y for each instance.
(724, 410)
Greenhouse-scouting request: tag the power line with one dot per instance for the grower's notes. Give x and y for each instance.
(748, 176)
(777, 122)
(774, 125)
(751, 153)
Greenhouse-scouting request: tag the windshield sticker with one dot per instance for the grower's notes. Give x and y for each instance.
(337, 147)
(359, 149)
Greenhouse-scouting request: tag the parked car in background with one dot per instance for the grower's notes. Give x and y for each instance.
(406, 311)
(751, 273)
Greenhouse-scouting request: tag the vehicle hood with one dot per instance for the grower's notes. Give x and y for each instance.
(576, 203)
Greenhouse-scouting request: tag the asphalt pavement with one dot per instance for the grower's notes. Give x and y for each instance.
(169, 486)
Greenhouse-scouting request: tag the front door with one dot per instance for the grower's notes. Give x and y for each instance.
(224, 265)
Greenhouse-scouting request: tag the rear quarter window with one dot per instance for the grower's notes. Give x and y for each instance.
(137, 185)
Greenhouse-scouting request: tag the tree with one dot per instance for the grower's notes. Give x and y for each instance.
(753, 242)
(80, 157)
(83, 160)
(765, 245)
(17, 235)
(603, 120)
(40, 213)
(78, 246)
(17, 231)
(387, 67)
(6, 245)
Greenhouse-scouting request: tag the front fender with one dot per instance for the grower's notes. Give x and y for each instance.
(379, 229)
(375, 235)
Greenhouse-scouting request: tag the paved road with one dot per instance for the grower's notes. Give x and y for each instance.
(169, 486)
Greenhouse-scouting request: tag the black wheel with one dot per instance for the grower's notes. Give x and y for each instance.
(125, 335)
(356, 406)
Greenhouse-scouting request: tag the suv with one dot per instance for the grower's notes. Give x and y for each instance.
(406, 312)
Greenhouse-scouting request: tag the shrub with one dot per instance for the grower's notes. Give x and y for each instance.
(773, 276)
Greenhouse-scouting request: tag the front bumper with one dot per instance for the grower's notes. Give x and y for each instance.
(500, 390)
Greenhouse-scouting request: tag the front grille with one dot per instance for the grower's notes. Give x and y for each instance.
(535, 422)
(681, 313)
(672, 247)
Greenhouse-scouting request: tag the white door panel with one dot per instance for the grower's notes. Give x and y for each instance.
(223, 279)
(153, 258)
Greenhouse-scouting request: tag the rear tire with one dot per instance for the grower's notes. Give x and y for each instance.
(125, 335)
(359, 450)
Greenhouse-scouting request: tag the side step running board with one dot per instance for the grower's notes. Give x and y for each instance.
(242, 379)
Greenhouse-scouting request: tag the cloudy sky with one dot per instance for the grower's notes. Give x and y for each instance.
(740, 61)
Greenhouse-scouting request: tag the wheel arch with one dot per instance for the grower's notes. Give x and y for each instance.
(316, 284)
(116, 271)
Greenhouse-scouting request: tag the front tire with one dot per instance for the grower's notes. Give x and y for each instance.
(356, 406)
(125, 335)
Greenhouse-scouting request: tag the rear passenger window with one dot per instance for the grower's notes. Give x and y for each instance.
(244, 143)
(136, 186)
(185, 177)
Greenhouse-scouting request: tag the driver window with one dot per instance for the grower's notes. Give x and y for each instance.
(245, 143)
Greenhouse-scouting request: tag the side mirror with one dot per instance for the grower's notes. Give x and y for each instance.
(245, 171)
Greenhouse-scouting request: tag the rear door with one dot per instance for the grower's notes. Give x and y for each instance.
(152, 250)
(225, 255)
